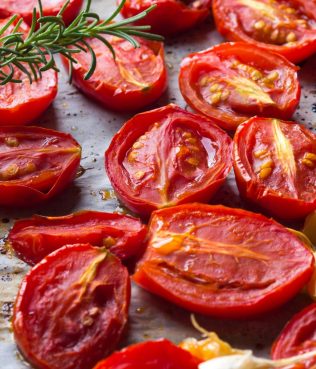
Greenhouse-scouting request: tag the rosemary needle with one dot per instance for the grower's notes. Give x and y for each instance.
(49, 36)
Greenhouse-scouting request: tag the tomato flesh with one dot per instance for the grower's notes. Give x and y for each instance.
(275, 166)
(71, 308)
(221, 261)
(231, 82)
(160, 354)
(167, 156)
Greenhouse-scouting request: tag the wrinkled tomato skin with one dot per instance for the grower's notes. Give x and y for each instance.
(32, 190)
(228, 117)
(170, 16)
(228, 25)
(136, 127)
(297, 337)
(115, 95)
(9, 8)
(274, 200)
(197, 257)
(160, 354)
(64, 318)
(33, 239)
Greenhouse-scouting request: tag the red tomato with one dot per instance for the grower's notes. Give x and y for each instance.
(298, 336)
(50, 7)
(160, 354)
(35, 164)
(170, 16)
(275, 166)
(286, 27)
(134, 80)
(221, 261)
(71, 308)
(231, 82)
(33, 239)
(166, 157)
(22, 103)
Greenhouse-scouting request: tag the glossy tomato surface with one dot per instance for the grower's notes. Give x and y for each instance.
(32, 239)
(71, 308)
(22, 103)
(135, 79)
(160, 354)
(275, 166)
(24, 8)
(221, 261)
(298, 337)
(232, 82)
(165, 157)
(170, 16)
(35, 164)
(286, 27)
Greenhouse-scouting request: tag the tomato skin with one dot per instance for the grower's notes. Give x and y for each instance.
(297, 337)
(274, 199)
(109, 90)
(173, 265)
(33, 189)
(229, 26)
(170, 116)
(211, 60)
(71, 308)
(161, 354)
(33, 239)
(170, 16)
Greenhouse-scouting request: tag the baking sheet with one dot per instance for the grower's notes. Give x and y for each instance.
(93, 127)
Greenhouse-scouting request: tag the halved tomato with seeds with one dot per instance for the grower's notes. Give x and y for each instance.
(232, 82)
(275, 166)
(165, 157)
(170, 16)
(33, 239)
(136, 78)
(71, 308)
(221, 261)
(35, 164)
(286, 27)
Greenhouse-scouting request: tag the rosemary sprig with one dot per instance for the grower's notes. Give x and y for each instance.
(49, 36)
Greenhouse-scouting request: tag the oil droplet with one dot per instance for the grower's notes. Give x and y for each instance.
(107, 194)
(74, 128)
(140, 310)
(81, 171)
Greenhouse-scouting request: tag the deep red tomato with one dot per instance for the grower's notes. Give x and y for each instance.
(160, 354)
(22, 103)
(50, 7)
(71, 308)
(33, 239)
(166, 157)
(275, 166)
(298, 336)
(135, 79)
(286, 27)
(170, 16)
(220, 261)
(35, 164)
(232, 82)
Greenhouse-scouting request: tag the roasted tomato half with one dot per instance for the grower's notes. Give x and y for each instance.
(232, 82)
(275, 166)
(298, 336)
(33, 239)
(166, 157)
(170, 16)
(24, 8)
(160, 354)
(220, 261)
(22, 103)
(136, 78)
(35, 164)
(72, 308)
(286, 27)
